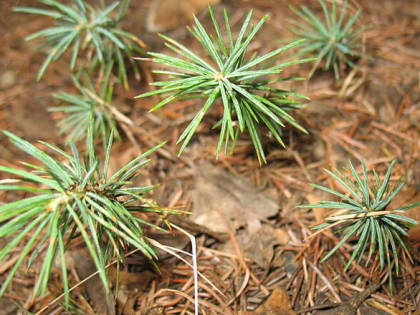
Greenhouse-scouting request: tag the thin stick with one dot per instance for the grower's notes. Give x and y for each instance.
(362, 215)
(171, 250)
(195, 265)
(324, 278)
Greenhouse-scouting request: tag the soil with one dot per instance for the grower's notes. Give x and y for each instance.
(371, 114)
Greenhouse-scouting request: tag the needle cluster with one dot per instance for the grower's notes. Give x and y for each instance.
(91, 108)
(364, 213)
(89, 31)
(74, 199)
(334, 40)
(231, 75)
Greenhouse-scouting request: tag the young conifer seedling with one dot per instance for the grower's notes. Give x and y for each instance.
(364, 213)
(73, 199)
(89, 108)
(89, 31)
(233, 77)
(335, 40)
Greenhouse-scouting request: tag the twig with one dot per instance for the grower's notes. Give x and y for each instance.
(326, 281)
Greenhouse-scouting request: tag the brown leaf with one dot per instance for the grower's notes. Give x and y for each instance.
(313, 199)
(259, 246)
(277, 304)
(172, 239)
(126, 153)
(8, 306)
(131, 281)
(7, 79)
(221, 200)
(84, 266)
(155, 310)
(165, 15)
(281, 237)
(131, 286)
(404, 198)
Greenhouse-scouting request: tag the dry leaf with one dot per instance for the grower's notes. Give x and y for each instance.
(132, 285)
(222, 200)
(85, 267)
(259, 246)
(155, 310)
(313, 199)
(281, 237)
(126, 153)
(277, 304)
(172, 239)
(165, 15)
(7, 79)
(8, 306)
(404, 198)
(131, 281)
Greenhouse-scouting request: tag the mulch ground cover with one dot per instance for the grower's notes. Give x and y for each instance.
(371, 114)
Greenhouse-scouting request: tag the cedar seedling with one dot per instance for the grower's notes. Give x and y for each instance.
(364, 213)
(73, 199)
(89, 103)
(88, 31)
(334, 40)
(239, 81)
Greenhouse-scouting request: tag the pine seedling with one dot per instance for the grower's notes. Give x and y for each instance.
(73, 199)
(89, 103)
(364, 213)
(89, 31)
(239, 81)
(335, 40)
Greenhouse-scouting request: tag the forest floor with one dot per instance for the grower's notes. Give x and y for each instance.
(266, 263)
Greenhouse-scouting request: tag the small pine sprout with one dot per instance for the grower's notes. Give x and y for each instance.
(364, 213)
(89, 108)
(333, 40)
(73, 199)
(89, 31)
(238, 81)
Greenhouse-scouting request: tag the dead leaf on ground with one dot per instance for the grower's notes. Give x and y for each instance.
(277, 304)
(187, 224)
(172, 239)
(259, 246)
(313, 199)
(404, 198)
(126, 153)
(132, 281)
(165, 15)
(8, 306)
(222, 200)
(95, 290)
(155, 310)
(131, 286)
